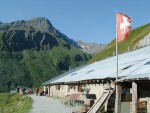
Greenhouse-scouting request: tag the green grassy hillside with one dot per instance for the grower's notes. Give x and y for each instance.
(131, 42)
(31, 67)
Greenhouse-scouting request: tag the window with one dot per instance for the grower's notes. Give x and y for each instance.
(58, 87)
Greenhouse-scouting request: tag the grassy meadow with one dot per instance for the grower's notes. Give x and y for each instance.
(15, 103)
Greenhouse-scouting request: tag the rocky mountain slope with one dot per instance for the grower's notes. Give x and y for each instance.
(37, 24)
(33, 51)
(91, 48)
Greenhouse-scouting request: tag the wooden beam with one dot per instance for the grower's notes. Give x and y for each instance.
(90, 81)
(134, 97)
(118, 99)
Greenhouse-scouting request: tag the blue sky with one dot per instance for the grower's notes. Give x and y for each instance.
(85, 20)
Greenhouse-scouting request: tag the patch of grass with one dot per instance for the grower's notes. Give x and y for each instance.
(14, 103)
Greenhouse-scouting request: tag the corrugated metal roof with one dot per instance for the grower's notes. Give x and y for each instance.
(141, 72)
(130, 64)
(62, 75)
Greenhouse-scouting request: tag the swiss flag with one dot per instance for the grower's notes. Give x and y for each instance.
(123, 26)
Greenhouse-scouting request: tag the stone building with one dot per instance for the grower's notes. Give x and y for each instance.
(99, 77)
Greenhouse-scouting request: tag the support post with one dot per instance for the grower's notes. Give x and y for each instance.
(49, 90)
(134, 97)
(118, 99)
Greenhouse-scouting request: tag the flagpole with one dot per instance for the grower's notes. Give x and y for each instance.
(118, 96)
(120, 37)
(116, 47)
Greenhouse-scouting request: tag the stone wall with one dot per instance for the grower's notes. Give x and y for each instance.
(63, 90)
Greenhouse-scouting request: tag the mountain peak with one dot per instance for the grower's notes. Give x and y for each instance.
(41, 24)
(41, 21)
(37, 24)
(40, 18)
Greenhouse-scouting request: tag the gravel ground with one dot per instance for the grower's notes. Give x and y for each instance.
(43, 104)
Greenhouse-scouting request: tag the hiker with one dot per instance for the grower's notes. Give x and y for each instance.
(37, 91)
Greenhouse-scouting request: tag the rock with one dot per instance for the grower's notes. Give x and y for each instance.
(144, 42)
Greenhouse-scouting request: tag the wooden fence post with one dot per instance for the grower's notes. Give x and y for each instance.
(118, 99)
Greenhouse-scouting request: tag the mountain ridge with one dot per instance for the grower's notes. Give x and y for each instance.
(91, 48)
(38, 24)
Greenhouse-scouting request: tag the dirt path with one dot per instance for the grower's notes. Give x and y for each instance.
(43, 104)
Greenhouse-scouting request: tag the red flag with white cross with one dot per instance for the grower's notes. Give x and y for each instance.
(123, 26)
